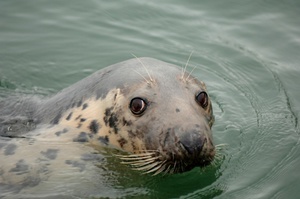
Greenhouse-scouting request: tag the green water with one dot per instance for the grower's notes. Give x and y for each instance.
(247, 52)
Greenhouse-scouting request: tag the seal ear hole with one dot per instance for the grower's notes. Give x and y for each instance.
(138, 105)
(202, 99)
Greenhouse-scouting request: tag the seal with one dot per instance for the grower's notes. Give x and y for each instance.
(156, 112)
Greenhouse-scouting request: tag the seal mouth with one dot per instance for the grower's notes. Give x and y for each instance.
(174, 156)
(154, 162)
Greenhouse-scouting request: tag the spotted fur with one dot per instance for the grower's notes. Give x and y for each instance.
(65, 131)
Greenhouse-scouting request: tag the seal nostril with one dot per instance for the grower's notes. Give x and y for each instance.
(188, 148)
(192, 142)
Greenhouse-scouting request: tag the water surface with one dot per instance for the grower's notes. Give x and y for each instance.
(247, 52)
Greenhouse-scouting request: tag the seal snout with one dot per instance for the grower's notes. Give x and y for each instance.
(192, 142)
(200, 158)
(187, 148)
(197, 149)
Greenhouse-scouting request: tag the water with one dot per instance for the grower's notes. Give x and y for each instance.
(247, 52)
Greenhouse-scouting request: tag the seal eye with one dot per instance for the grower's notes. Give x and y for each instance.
(137, 105)
(202, 99)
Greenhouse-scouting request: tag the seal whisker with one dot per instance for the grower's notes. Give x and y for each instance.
(145, 151)
(135, 160)
(192, 78)
(144, 67)
(218, 157)
(221, 146)
(171, 168)
(141, 162)
(180, 167)
(136, 155)
(154, 169)
(214, 163)
(147, 167)
(142, 159)
(168, 169)
(187, 62)
(187, 78)
(217, 153)
(175, 166)
(161, 168)
(141, 76)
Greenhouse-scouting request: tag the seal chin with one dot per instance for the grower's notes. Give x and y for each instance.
(180, 166)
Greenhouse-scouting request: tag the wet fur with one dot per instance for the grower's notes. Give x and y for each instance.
(94, 112)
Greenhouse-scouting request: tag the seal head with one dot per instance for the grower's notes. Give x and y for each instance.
(161, 115)
(153, 110)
